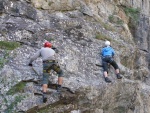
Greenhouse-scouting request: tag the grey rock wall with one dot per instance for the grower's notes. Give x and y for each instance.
(78, 30)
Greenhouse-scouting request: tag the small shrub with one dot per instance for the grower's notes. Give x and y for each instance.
(100, 36)
(106, 26)
(3, 59)
(13, 104)
(2, 62)
(115, 19)
(111, 18)
(8, 45)
(50, 3)
(132, 13)
(120, 109)
(17, 88)
(49, 39)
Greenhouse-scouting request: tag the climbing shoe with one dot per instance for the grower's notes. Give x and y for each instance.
(44, 98)
(119, 76)
(59, 88)
(107, 80)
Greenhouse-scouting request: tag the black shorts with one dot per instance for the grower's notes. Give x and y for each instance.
(108, 60)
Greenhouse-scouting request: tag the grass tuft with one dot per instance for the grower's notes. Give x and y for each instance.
(17, 88)
(8, 45)
(100, 36)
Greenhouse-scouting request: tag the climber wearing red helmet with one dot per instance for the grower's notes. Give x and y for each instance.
(49, 63)
(48, 44)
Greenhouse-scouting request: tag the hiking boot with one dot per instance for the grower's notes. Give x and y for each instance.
(119, 76)
(107, 80)
(44, 98)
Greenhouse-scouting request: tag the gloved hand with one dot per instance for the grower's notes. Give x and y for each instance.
(30, 64)
(55, 49)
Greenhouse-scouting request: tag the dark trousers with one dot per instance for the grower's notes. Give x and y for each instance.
(109, 60)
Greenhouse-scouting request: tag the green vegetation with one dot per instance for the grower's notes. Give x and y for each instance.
(3, 60)
(50, 3)
(49, 39)
(43, 111)
(100, 36)
(17, 88)
(133, 14)
(125, 61)
(120, 109)
(106, 26)
(106, 107)
(8, 45)
(111, 18)
(128, 61)
(116, 20)
(13, 104)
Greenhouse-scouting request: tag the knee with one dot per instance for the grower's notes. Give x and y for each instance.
(44, 85)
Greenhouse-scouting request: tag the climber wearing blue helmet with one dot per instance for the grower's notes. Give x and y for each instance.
(107, 58)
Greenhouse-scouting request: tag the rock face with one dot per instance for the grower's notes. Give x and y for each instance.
(78, 29)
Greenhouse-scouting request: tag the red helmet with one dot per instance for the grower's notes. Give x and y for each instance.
(48, 44)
